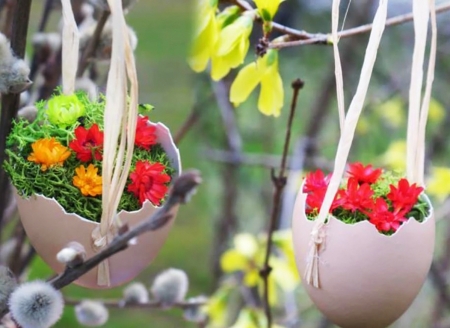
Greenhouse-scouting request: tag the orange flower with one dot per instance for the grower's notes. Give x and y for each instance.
(48, 152)
(88, 181)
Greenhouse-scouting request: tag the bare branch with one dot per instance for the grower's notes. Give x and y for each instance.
(179, 193)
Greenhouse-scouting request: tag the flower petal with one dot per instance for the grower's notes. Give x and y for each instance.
(244, 83)
(271, 96)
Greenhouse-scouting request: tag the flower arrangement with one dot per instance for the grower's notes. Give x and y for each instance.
(369, 194)
(59, 155)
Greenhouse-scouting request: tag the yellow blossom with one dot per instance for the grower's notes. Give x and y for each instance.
(206, 34)
(395, 156)
(48, 152)
(265, 72)
(231, 46)
(438, 185)
(392, 111)
(88, 181)
(267, 8)
(436, 112)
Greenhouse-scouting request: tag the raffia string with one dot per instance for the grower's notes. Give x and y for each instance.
(70, 48)
(318, 234)
(337, 64)
(119, 127)
(418, 113)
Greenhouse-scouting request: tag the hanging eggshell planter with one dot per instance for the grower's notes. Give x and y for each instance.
(363, 247)
(84, 168)
(50, 228)
(366, 279)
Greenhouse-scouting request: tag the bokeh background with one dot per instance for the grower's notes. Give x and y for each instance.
(237, 191)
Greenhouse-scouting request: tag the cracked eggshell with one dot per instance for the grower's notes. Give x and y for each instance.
(366, 279)
(50, 228)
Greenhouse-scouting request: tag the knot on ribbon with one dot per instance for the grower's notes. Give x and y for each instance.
(312, 266)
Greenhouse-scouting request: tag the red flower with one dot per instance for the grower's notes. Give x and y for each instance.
(145, 133)
(88, 143)
(383, 219)
(316, 181)
(364, 174)
(149, 182)
(316, 184)
(356, 197)
(405, 196)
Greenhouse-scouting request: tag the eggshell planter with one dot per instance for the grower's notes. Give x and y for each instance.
(366, 279)
(50, 228)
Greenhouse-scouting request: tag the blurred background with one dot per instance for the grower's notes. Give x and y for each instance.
(236, 148)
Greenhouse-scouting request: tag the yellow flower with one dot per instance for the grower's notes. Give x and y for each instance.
(88, 181)
(243, 258)
(392, 111)
(267, 8)
(48, 152)
(205, 36)
(438, 185)
(395, 156)
(264, 71)
(231, 46)
(436, 111)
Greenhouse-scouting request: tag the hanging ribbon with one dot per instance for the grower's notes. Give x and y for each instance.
(418, 112)
(70, 48)
(318, 233)
(120, 117)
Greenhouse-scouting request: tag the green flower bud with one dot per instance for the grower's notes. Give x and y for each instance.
(64, 110)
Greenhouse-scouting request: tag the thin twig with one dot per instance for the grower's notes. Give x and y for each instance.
(93, 43)
(179, 194)
(263, 160)
(191, 120)
(120, 304)
(300, 37)
(307, 38)
(279, 182)
(10, 102)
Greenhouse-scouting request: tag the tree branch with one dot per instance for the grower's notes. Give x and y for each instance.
(89, 51)
(10, 102)
(121, 304)
(300, 37)
(279, 182)
(307, 38)
(182, 188)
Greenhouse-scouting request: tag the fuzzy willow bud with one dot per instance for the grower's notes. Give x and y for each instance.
(170, 287)
(195, 312)
(135, 293)
(13, 71)
(36, 304)
(72, 255)
(91, 313)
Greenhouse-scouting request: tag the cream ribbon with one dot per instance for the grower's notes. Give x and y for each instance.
(120, 118)
(416, 122)
(119, 128)
(418, 113)
(70, 48)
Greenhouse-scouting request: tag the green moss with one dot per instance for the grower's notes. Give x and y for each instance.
(56, 182)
